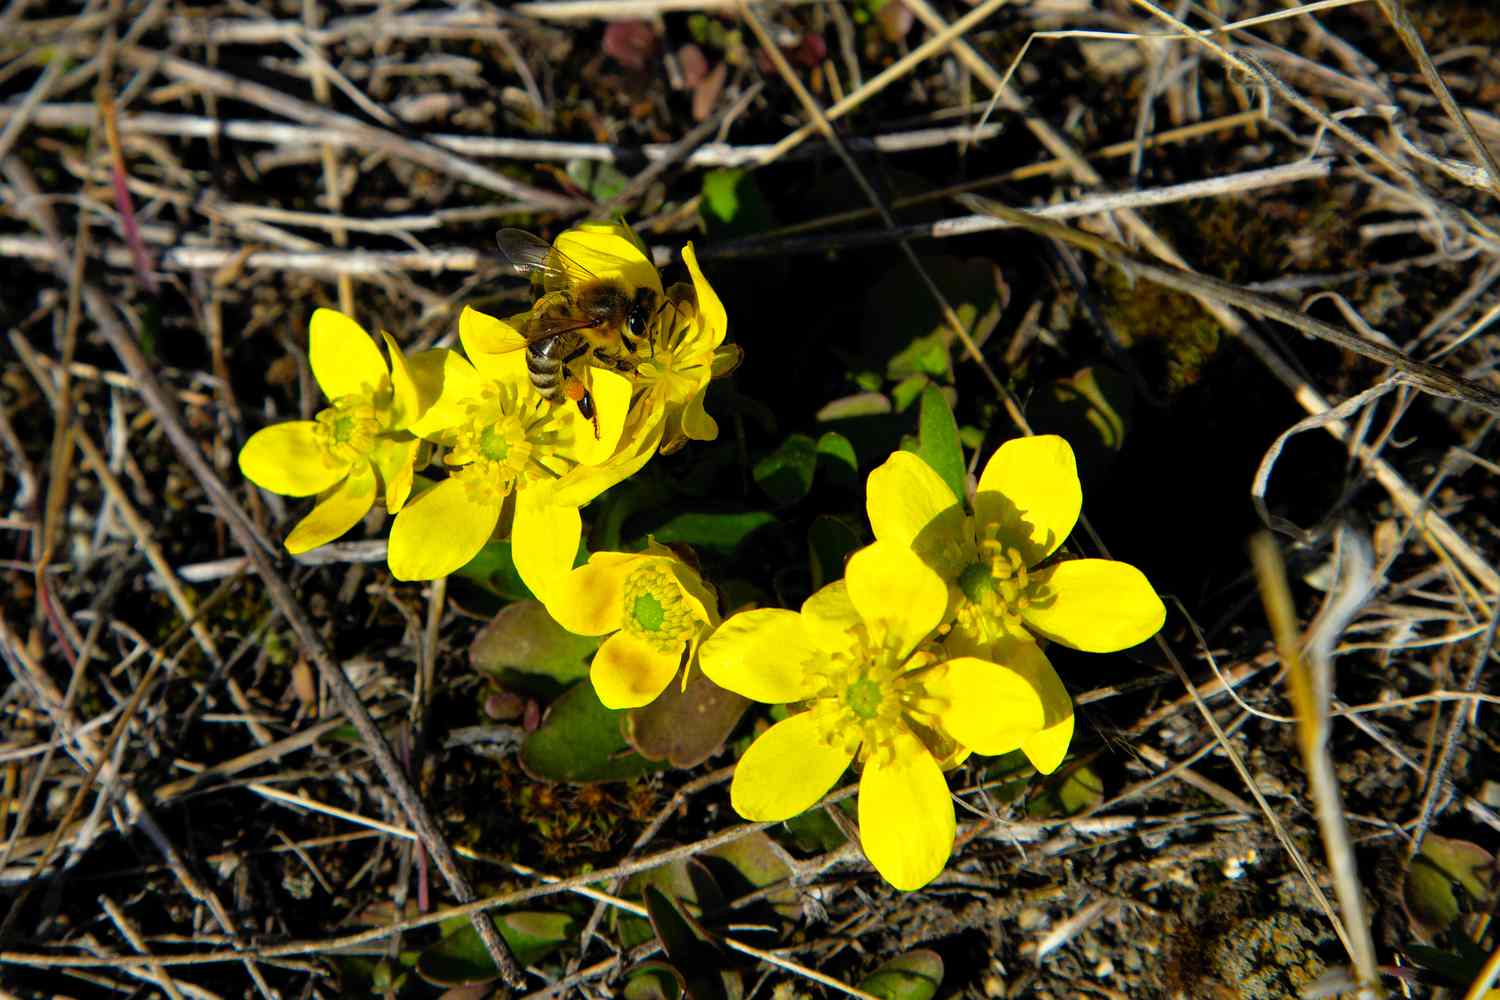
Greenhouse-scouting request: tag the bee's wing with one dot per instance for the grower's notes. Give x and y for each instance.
(530, 254)
(546, 324)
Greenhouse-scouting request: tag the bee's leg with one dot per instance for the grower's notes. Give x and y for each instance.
(579, 393)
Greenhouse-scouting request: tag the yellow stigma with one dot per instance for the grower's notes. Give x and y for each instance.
(996, 588)
(654, 610)
(503, 443)
(867, 695)
(348, 428)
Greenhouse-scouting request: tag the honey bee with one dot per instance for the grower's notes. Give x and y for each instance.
(580, 316)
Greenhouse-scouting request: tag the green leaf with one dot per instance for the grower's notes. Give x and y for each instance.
(830, 541)
(732, 203)
(703, 966)
(837, 464)
(460, 959)
(685, 726)
(861, 404)
(601, 180)
(653, 980)
(718, 532)
(523, 639)
(1447, 879)
(913, 976)
(909, 390)
(937, 441)
(579, 741)
(1455, 970)
(786, 474)
(1067, 792)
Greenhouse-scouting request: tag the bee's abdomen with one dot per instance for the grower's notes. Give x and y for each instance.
(544, 363)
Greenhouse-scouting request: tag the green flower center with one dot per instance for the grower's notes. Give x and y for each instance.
(997, 587)
(347, 429)
(504, 443)
(868, 696)
(863, 698)
(648, 613)
(655, 610)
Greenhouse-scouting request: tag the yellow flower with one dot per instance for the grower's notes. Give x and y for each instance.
(1028, 500)
(357, 443)
(502, 439)
(859, 653)
(657, 608)
(685, 350)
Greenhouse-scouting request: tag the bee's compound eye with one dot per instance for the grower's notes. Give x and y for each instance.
(637, 322)
(586, 405)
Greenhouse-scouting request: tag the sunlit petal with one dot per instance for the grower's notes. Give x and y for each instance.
(1096, 605)
(903, 495)
(712, 319)
(1030, 488)
(1046, 748)
(344, 359)
(287, 459)
(441, 530)
(629, 673)
(786, 771)
(763, 655)
(394, 458)
(481, 333)
(906, 822)
(611, 392)
(895, 593)
(406, 398)
(831, 617)
(543, 542)
(988, 707)
(590, 600)
(337, 512)
(606, 250)
(456, 383)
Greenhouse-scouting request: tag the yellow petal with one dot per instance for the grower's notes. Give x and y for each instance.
(607, 251)
(697, 425)
(507, 369)
(762, 655)
(394, 459)
(1096, 605)
(611, 392)
(455, 382)
(287, 459)
(590, 600)
(543, 542)
(896, 595)
(830, 616)
(337, 512)
(629, 673)
(786, 771)
(440, 531)
(990, 708)
(1030, 488)
(425, 370)
(699, 596)
(1046, 748)
(909, 504)
(712, 319)
(344, 359)
(585, 482)
(906, 822)
(481, 333)
(406, 398)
